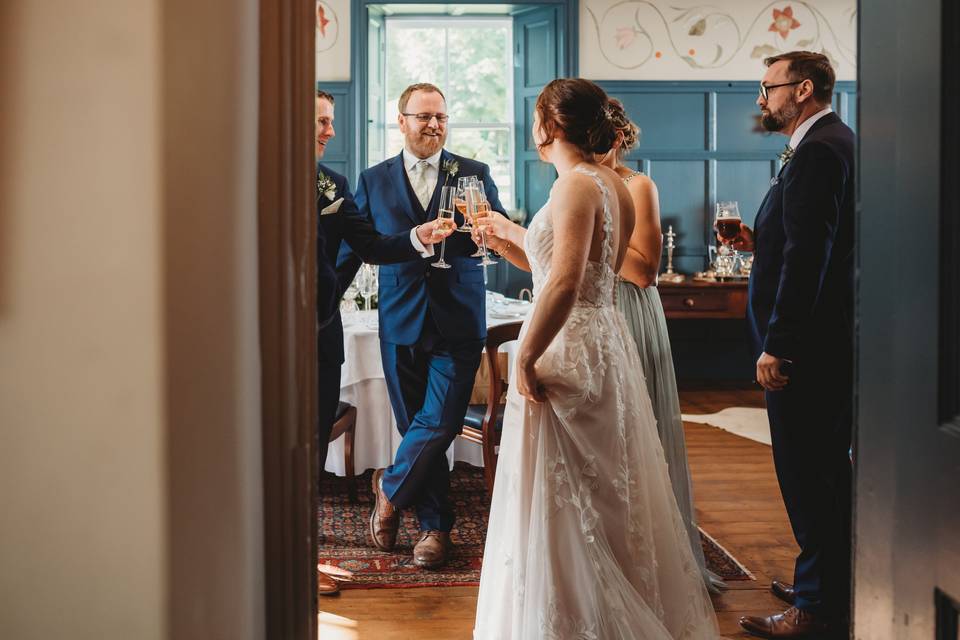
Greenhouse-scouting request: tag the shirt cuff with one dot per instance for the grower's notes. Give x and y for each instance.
(425, 252)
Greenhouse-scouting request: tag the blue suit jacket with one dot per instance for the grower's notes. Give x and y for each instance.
(801, 284)
(455, 297)
(348, 226)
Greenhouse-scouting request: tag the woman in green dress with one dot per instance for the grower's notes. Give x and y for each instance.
(639, 301)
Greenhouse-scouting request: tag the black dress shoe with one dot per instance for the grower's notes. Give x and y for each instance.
(784, 591)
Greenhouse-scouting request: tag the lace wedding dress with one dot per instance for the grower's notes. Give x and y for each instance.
(585, 541)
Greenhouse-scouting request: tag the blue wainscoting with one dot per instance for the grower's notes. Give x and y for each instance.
(339, 153)
(701, 142)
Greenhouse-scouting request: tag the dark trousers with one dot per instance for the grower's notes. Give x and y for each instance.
(327, 401)
(429, 385)
(810, 426)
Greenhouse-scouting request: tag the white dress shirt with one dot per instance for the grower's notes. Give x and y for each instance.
(804, 127)
(432, 175)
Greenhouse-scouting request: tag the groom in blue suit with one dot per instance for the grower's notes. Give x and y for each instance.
(801, 316)
(432, 324)
(341, 224)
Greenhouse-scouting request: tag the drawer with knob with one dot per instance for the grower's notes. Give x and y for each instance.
(704, 300)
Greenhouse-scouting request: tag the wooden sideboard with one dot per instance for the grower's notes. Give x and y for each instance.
(704, 300)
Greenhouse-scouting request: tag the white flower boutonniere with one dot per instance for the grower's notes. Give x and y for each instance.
(326, 186)
(786, 154)
(450, 167)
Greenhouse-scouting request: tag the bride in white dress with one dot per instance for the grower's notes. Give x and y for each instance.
(585, 540)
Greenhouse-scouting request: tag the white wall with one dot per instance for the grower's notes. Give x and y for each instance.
(333, 40)
(684, 40)
(129, 402)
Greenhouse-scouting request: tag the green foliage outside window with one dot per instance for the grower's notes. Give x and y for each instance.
(470, 60)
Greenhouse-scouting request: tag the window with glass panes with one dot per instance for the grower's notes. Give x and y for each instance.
(470, 60)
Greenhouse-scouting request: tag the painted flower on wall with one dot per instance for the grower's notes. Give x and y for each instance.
(625, 37)
(322, 20)
(783, 21)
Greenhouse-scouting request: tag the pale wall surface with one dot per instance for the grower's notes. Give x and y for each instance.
(82, 540)
(333, 40)
(129, 389)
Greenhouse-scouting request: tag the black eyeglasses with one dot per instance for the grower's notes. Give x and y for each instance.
(765, 88)
(427, 117)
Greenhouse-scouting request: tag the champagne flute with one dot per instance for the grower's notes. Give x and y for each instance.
(463, 184)
(447, 197)
(367, 284)
(478, 207)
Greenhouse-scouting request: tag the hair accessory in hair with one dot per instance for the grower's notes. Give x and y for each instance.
(607, 112)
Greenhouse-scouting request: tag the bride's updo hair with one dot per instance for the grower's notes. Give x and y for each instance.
(581, 110)
(628, 131)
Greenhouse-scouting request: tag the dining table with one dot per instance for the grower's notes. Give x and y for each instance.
(363, 385)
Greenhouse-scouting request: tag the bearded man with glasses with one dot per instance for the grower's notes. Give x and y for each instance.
(432, 324)
(800, 314)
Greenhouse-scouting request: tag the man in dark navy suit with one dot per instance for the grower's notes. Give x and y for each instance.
(341, 221)
(801, 319)
(432, 324)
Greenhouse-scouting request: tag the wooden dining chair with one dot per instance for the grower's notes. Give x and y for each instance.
(483, 423)
(345, 424)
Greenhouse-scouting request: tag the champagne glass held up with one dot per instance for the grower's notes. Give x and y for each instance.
(478, 207)
(463, 184)
(447, 197)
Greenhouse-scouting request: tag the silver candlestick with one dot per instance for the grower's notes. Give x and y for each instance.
(670, 275)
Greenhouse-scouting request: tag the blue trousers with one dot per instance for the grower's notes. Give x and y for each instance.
(810, 427)
(429, 385)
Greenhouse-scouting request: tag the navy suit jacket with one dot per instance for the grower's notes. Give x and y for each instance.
(327, 287)
(801, 284)
(455, 297)
(349, 226)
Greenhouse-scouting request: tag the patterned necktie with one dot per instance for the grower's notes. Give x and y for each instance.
(419, 183)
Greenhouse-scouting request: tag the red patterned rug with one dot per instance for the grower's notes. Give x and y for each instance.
(343, 538)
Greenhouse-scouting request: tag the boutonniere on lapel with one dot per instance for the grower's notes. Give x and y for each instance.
(786, 154)
(450, 167)
(325, 186)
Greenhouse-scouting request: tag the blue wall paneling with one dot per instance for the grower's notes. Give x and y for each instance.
(339, 150)
(702, 142)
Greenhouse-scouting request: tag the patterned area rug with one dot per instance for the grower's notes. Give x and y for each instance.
(343, 538)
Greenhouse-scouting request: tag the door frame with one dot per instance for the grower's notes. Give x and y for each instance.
(907, 433)
(287, 292)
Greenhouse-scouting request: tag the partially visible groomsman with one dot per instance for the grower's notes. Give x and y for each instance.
(432, 324)
(339, 221)
(801, 318)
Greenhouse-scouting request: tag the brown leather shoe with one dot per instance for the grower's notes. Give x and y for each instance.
(792, 623)
(384, 518)
(783, 590)
(432, 549)
(326, 586)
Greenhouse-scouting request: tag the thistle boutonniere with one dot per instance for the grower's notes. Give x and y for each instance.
(450, 167)
(325, 186)
(786, 154)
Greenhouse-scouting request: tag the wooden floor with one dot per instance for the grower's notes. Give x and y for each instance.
(737, 502)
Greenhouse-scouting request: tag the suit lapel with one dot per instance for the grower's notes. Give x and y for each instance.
(401, 187)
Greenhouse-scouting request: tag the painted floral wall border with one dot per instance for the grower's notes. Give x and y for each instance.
(712, 42)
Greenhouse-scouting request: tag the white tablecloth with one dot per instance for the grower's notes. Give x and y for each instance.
(363, 385)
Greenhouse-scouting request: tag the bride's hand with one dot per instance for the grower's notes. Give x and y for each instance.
(493, 243)
(495, 225)
(527, 384)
